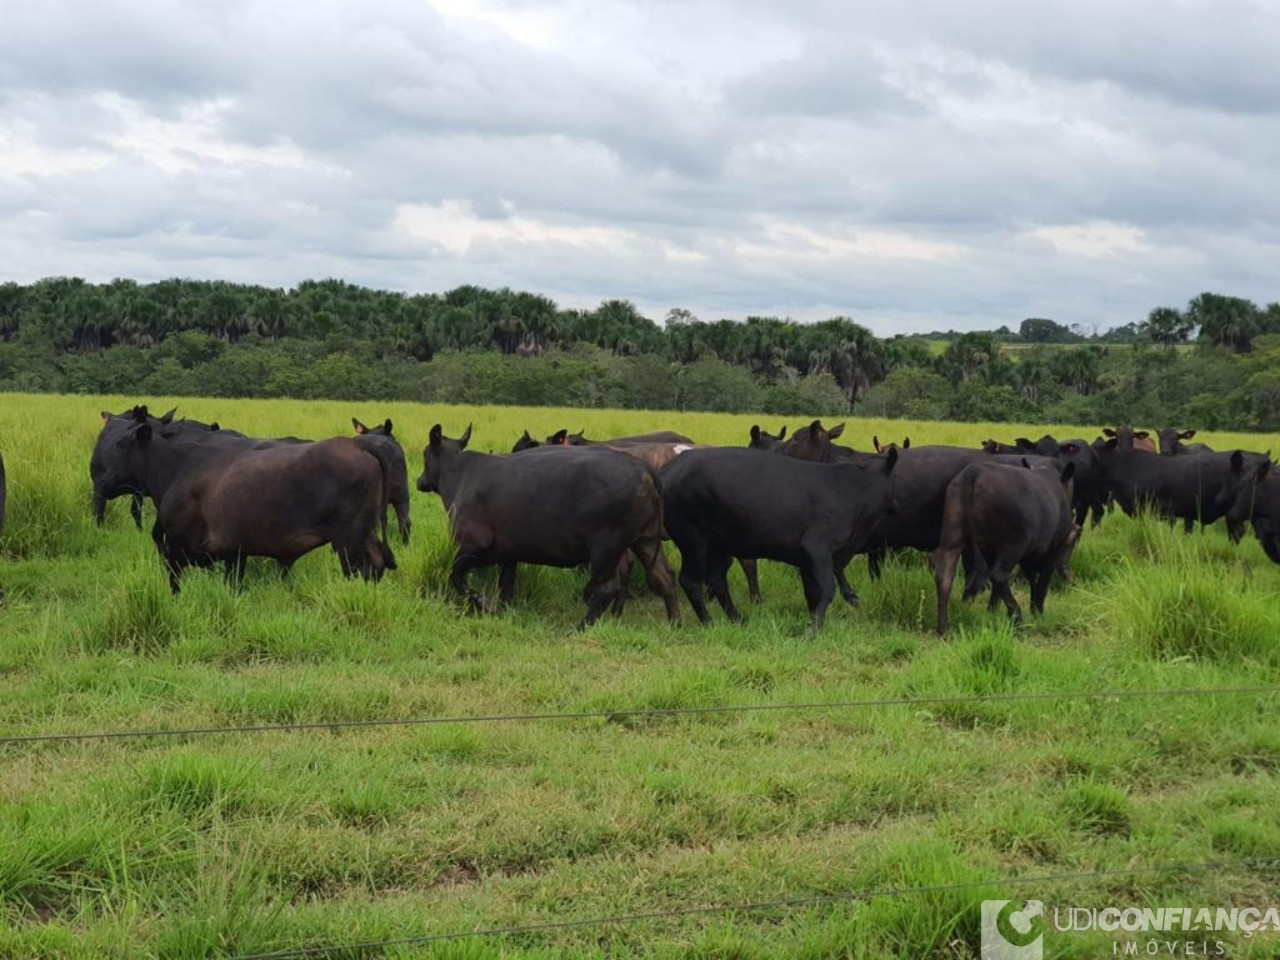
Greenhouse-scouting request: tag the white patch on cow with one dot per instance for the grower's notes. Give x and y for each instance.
(680, 448)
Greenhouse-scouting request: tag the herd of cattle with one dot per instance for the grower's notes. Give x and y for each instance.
(221, 496)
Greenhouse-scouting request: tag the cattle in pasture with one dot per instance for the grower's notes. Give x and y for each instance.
(722, 503)
(113, 427)
(562, 508)
(1005, 516)
(224, 502)
(563, 438)
(1251, 495)
(1171, 444)
(380, 441)
(1182, 488)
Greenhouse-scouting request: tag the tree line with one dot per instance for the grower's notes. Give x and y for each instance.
(1209, 364)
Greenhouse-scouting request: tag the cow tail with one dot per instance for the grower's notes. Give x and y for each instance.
(977, 575)
(384, 494)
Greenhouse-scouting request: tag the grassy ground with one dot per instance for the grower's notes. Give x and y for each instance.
(236, 844)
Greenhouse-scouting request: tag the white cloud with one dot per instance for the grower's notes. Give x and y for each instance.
(919, 164)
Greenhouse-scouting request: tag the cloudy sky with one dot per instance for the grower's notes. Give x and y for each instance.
(919, 164)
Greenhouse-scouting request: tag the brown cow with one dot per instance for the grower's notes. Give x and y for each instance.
(218, 503)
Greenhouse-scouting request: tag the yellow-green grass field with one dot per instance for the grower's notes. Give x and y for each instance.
(240, 843)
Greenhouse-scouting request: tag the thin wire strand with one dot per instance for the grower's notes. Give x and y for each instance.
(27, 739)
(297, 953)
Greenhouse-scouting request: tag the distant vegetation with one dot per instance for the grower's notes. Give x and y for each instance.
(334, 340)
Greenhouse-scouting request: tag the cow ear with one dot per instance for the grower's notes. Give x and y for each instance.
(525, 436)
(891, 460)
(1108, 432)
(755, 433)
(906, 443)
(558, 438)
(435, 436)
(105, 416)
(386, 426)
(359, 427)
(215, 427)
(1068, 471)
(835, 431)
(1237, 462)
(875, 442)
(1110, 444)
(1141, 434)
(465, 438)
(139, 413)
(782, 434)
(1186, 434)
(815, 429)
(168, 417)
(1071, 449)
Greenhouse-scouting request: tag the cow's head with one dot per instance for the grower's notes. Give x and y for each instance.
(382, 430)
(766, 441)
(525, 442)
(814, 442)
(436, 456)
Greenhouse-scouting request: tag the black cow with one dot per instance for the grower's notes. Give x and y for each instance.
(3, 498)
(219, 502)
(1251, 494)
(1171, 444)
(380, 442)
(1088, 494)
(558, 508)
(114, 427)
(814, 444)
(886, 447)
(726, 503)
(1183, 488)
(1005, 516)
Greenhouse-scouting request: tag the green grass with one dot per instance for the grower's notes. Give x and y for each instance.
(220, 845)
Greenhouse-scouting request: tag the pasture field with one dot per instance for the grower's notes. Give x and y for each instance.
(234, 844)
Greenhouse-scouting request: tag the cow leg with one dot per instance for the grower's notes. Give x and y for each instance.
(99, 509)
(751, 571)
(284, 567)
(1188, 524)
(135, 510)
(817, 573)
(602, 589)
(874, 558)
(841, 562)
(658, 574)
(507, 583)
(1001, 587)
(1040, 589)
(693, 565)
(462, 567)
(402, 520)
(1271, 547)
(718, 581)
(944, 562)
